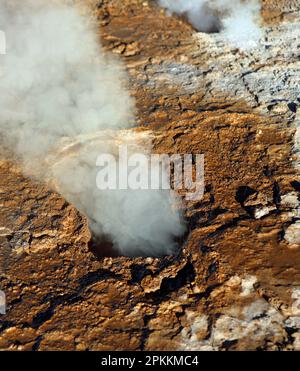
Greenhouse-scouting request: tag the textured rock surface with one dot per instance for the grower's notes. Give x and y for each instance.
(236, 282)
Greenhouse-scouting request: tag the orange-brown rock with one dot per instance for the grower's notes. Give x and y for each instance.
(235, 284)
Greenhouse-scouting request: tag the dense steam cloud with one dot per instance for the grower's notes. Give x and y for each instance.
(237, 19)
(59, 90)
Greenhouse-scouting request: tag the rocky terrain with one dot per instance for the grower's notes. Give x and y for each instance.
(235, 283)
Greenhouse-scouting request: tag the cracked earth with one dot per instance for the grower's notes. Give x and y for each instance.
(235, 283)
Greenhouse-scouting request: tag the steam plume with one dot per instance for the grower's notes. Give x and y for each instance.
(237, 19)
(59, 90)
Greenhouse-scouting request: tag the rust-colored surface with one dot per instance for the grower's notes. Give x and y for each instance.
(236, 280)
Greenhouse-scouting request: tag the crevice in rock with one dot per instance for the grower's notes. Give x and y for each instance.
(146, 331)
(84, 282)
(47, 314)
(96, 276)
(276, 194)
(243, 193)
(138, 272)
(227, 344)
(170, 284)
(296, 185)
(37, 343)
(293, 107)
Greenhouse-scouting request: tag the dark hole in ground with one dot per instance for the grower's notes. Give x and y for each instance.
(296, 185)
(206, 19)
(243, 193)
(293, 107)
(212, 26)
(103, 247)
(276, 194)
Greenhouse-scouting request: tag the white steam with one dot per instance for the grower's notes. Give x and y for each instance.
(237, 19)
(57, 88)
